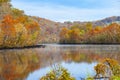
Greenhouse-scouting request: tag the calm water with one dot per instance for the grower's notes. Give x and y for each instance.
(32, 64)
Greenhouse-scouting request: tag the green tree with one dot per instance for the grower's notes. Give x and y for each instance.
(2, 1)
(89, 26)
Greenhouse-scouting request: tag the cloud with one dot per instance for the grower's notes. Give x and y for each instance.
(65, 13)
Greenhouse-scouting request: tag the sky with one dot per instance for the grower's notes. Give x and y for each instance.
(69, 10)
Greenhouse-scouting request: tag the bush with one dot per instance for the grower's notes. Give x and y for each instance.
(58, 73)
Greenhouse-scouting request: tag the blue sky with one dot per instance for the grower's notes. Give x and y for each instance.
(70, 10)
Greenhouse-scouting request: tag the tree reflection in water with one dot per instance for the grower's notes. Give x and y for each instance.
(18, 64)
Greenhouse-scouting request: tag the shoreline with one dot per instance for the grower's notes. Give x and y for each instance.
(25, 47)
(89, 43)
(44, 45)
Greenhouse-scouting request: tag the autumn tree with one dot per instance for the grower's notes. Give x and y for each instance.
(33, 32)
(64, 36)
(16, 12)
(5, 8)
(1, 1)
(21, 34)
(18, 32)
(72, 35)
(89, 26)
(16, 28)
(75, 35)
(108, 34)
(98, 34)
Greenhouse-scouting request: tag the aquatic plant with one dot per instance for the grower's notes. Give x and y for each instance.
(100, 70)
(113, 65)
(107, 69)
(115, 78)
(58, 73)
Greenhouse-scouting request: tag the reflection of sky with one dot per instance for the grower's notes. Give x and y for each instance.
(77, 70)
(80, 70)
(38, 73)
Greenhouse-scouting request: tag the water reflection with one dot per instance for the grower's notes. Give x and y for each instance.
(16, 65)
(31, 64)
(79, 71)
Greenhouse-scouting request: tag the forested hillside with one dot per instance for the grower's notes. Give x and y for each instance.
(19, 30)
(91, 35)
(50, 30)
(16, 28)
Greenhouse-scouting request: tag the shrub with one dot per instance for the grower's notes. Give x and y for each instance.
(58, 73)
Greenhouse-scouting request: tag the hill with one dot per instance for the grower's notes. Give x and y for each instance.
(16, 28)
(50, 29)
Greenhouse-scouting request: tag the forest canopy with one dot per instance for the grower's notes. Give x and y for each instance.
(90, 34)
(16, 28)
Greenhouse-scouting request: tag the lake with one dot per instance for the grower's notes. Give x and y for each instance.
(33, 63)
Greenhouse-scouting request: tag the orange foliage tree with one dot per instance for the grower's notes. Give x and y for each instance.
(18, 32)
(99, 34)
(108, 34)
